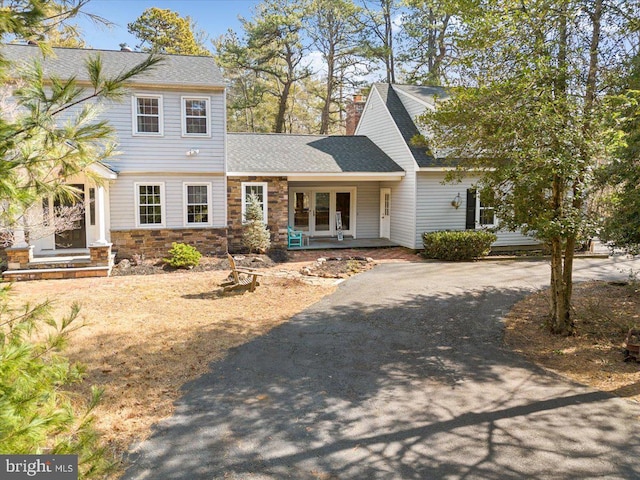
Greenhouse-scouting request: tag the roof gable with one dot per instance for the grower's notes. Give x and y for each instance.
(405, 122)
(174, 70)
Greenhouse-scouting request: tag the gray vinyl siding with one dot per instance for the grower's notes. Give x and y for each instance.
(434, 210)
(377, 124)
(123, 195)
(367, 204)
(167, 153)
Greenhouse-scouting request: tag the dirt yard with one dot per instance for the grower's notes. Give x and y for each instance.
(604, 313)
(147, 335)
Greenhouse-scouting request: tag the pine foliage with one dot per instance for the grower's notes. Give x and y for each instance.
(256, 236)
(36, 414)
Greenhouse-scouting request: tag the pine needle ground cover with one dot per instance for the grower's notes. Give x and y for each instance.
(604, 313)
(147, 335)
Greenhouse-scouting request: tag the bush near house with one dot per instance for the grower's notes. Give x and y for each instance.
(182, 255)
(256, 236)
(457, 245)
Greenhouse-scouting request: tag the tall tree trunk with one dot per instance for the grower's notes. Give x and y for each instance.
(388, 25)
(562, 271)
(561, 258)
(282, 107)
(560, 321)
(326, 107)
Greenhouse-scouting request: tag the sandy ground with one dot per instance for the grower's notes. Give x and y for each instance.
(604, 313)
(145, 336)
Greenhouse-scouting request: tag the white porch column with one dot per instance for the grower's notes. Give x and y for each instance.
(19, 239)
(100, 211)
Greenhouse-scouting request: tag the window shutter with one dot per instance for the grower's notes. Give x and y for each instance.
(471, 209)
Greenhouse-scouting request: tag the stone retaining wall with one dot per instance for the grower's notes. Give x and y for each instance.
(156, 243)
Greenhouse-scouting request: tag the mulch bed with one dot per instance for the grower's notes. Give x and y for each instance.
(326, 267)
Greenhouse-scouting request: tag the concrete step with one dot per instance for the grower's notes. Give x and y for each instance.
(68, 261)
(55, 273)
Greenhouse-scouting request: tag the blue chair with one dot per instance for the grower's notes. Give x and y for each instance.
(294, 237)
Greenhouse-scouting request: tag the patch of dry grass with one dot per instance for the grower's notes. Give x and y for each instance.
(604, 313)
(146, 336)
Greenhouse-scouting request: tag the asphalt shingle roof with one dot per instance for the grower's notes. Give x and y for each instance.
(289, 153)
(407, 126)
(174, 70)
(426, 94)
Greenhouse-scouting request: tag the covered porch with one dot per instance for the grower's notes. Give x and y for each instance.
(332, 243)
(66, 236)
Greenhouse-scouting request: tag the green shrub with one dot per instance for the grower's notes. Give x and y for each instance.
(457, 245)
(183, 256)
(36, 414)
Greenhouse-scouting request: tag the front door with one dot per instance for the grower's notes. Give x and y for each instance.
(385, 213)
(322, 213)
(76, 236)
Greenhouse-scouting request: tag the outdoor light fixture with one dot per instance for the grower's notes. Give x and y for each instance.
(192, 152)
(456, 202)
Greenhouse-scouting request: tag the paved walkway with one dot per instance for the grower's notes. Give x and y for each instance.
(401, 374)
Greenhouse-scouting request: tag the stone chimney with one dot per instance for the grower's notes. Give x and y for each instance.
(354, 111)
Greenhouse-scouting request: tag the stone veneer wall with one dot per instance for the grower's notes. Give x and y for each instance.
(156, 243)
(277, 211)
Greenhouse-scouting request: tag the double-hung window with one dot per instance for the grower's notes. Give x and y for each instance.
(197, 203)
(485, 213)
(195, 116)
(147, 115)
(150, 204)
(259, 189)
(480, 211)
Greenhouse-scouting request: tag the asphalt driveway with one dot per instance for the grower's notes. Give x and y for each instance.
(401, 374)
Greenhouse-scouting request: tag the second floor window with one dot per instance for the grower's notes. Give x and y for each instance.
(147, 115)
(195, 116)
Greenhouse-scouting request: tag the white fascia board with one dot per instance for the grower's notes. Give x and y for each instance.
(102, 171)
(160, 86)
(437, 169)
(172, 174)
(451, 169)
(326, 177)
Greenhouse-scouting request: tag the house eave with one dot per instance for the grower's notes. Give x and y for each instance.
(160, 86)
(452, 169)
(326, 177)
(103, 171)
(436, 169)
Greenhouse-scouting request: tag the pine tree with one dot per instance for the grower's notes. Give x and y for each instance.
(256, 236)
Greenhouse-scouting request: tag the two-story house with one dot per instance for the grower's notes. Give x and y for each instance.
(181, 178)
(168, 182)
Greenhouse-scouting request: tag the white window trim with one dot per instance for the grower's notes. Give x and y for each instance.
(183, 116)
(134, 116)
(265, 204)
(478, 208)
(163, 205)
(185, 193)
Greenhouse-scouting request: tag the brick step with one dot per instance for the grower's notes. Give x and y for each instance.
(55, 273)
